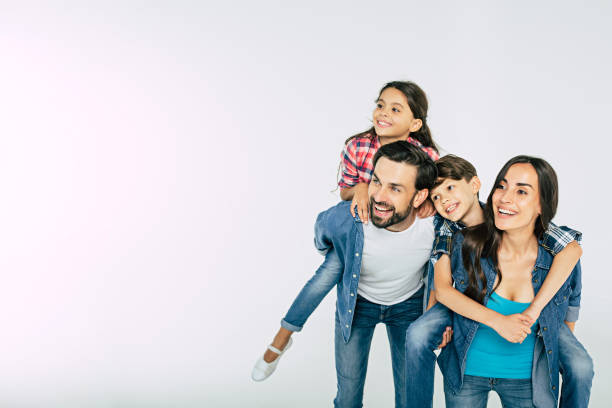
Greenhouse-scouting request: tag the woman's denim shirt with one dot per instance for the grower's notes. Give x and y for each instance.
(564, 306)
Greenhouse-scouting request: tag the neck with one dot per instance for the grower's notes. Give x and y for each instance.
(404, 224)
(518, 242)
(474, 216)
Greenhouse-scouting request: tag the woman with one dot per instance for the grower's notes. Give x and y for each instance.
(501, 264)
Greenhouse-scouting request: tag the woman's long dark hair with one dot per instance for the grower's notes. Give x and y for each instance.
(482, 241)
(417, 101)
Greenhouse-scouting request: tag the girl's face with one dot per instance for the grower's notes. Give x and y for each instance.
(516, 200)
(392, 117)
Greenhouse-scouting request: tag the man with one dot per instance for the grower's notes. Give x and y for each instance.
(383, 264)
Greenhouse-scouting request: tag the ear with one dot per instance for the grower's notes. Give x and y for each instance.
(475, 183)
(416, 125)
(420, 197)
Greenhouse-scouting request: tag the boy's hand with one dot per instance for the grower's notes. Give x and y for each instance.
(532, 313)
(426, 209)
(446, 337)
(361, 202)
(514, 327)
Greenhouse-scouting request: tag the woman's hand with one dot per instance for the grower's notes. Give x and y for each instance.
(514, 327)
(361, 202)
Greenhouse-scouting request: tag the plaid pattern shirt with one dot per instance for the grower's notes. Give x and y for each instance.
(554, 240)
(357, 159)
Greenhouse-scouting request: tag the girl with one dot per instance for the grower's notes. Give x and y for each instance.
(400, 114)
(501, 264)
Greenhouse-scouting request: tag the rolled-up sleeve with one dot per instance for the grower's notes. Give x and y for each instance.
(322, 240)
(573, 309)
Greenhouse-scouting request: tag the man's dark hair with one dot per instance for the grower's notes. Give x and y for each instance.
(455, 168)
(405, 152)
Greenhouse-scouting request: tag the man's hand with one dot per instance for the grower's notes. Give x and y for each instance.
(361, 202)
(514, 327)
(426, 209)
(446, 337)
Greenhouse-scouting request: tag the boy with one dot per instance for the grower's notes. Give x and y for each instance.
(455, 196)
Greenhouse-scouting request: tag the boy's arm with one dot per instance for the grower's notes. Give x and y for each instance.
(560, 270)
(513, 327)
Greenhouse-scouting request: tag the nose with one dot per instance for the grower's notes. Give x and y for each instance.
(506, 196)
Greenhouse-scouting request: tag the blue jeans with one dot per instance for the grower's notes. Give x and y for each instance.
(514, 393)
(422, 338)
(352, 357)
(313, 292)
(425, 334)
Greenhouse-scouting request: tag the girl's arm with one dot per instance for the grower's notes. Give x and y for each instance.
(560, 270)
(512, 327)
(358, 194)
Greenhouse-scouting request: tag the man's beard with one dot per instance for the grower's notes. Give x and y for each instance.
(396, 218)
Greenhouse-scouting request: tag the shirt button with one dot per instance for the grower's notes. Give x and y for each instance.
(354, 275)
(347, 325)
(350, 311)
(544, 328)
(549, 351)
(352, 294)
(356, 253)
(564, 297)
(554, 388)
(462, 282)
(535, 281)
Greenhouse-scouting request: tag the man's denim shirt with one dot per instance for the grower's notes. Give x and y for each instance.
(338, 231)
(564, 306)
(554, 240)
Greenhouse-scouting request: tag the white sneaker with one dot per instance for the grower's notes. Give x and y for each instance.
(263, 370)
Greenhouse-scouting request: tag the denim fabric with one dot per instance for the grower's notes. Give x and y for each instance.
(325, 278)
(564, 305)
(352, 356)
(340, 237)
(514, 393)
(576, 369)
(422, 338)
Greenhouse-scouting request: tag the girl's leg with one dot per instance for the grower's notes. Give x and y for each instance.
(474, 393)
(313, 292)
(514, 393)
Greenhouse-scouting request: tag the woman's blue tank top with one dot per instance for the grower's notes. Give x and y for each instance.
(490, 355)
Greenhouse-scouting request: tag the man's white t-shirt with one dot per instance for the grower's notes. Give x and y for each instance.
(393, 263)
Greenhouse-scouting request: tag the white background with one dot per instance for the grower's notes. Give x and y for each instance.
(162, 165)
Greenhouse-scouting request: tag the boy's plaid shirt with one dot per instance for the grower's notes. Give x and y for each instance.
(357, 159)
(554, 240)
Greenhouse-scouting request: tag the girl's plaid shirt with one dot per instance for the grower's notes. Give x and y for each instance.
(357, 159)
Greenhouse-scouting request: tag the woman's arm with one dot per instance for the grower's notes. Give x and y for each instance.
(560, 270)
(513, 328)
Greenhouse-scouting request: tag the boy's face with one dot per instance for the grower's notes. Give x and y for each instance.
(454, 198)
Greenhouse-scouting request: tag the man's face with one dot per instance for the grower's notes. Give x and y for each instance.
(393, 195)
(454, 198)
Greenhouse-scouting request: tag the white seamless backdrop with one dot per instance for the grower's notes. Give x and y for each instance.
(162, 165)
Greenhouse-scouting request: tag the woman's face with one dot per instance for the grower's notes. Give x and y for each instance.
(516, 200)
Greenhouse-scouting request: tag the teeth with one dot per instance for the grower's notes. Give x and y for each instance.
(451, 208)
(381, 209)
(508, 212)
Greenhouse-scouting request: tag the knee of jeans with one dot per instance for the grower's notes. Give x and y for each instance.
(579, 367)
(417, 338)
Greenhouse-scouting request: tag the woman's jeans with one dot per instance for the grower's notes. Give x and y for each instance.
(424, 335)
(514, 393)
(352, 357)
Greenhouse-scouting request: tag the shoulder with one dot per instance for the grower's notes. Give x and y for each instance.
(338, 216)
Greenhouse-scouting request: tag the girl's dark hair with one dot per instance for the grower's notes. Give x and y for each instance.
(417, 101)
(482, 241)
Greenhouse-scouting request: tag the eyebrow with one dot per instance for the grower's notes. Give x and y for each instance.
(394, 103)
(519, 184)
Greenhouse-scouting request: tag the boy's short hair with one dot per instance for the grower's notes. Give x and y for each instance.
(455, 168)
